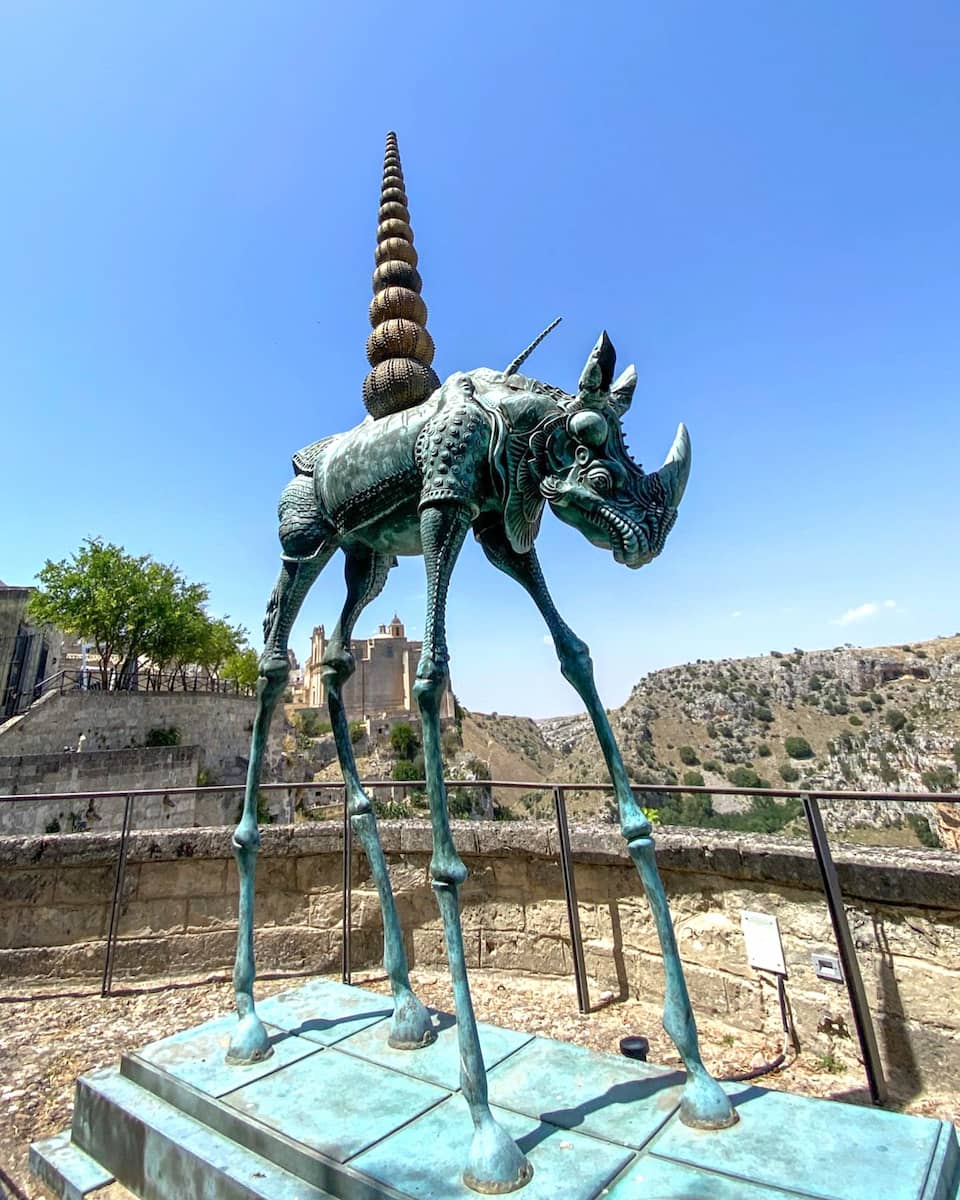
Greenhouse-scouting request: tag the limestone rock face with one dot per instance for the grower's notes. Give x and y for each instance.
(883, 719)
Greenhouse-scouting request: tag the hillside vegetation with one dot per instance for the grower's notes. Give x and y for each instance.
(881, 719)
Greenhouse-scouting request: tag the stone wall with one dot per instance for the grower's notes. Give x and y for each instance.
(121, 720)
(41, 650)
(180, 897)
(115, 770)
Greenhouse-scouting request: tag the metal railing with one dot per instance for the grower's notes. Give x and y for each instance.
(809, 798)
(91, 679)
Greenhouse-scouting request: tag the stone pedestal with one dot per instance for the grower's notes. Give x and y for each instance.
(335, 1112)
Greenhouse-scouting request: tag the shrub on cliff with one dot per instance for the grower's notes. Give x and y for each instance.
(895, 719)
(798, 747)
(939, 779)
(745, 777)
(403, 741)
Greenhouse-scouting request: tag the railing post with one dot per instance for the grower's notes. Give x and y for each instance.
(570, 894)
(113, 929)
(848, 952)
(347, 892)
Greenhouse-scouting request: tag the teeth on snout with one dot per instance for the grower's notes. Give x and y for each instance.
(623, 532)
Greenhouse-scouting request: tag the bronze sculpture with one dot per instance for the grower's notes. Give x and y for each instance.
(486, 450)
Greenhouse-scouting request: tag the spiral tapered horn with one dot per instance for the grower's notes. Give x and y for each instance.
(400, 350)
(525, 354)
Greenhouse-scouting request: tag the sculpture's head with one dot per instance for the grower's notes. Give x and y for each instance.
(588, 477)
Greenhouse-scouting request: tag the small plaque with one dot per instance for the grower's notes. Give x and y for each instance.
(761, 932)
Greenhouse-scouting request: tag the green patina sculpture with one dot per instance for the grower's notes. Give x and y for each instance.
(485, 451)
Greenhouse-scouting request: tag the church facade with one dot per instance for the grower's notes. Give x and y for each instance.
(382, 685)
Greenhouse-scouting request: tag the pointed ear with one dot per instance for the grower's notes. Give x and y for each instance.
(599, 369)
(621, 392)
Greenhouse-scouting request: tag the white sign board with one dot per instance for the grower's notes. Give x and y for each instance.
(761, 932)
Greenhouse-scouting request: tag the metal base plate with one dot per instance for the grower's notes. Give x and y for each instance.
(335, 1112)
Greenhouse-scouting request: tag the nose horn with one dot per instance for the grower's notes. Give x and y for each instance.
(676, 468)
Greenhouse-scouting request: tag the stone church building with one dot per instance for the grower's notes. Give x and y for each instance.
(382, 685)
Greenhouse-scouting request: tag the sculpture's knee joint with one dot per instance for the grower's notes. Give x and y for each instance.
(246, 837)
(275, 667)
(431, 680)
(338, 665)
(274, 673)
(636, 828)
(447, 869)
(575, 660)
(363, 819)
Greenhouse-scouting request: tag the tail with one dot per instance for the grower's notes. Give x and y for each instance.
(399, 350)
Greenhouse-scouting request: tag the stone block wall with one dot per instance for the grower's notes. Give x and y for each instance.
(121, 720)
(113, 770)
(180, 898)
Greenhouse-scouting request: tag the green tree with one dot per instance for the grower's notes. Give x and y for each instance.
(310, 724)
(766, 815)
(895, 719)
(798, 747)
(403, 741)
(688, 756)
(242, 667)
(127, 606)
(220, 644)
(744, 777)
(177, 622)
(133, 608)
(687, 808)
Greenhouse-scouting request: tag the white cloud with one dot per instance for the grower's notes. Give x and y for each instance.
(547, 639)
(736, 613)
(863, 612)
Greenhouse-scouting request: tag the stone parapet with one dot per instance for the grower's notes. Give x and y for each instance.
(221, 724)
(179, 902)
(137, 769)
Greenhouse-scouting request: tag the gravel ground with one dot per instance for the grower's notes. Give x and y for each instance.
(47, 1039)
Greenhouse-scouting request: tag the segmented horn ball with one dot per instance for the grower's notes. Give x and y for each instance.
(397, 303)
(399, 350)
(400, 339)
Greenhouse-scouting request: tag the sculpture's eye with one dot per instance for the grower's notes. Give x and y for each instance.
(582, 455)
(600, 480)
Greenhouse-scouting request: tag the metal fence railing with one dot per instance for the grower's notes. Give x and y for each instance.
(810, 800)
(90, 679)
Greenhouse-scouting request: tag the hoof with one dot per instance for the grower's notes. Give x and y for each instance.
(411, 1026)
(705, 1105)
(249, 1043)
(496, 1163)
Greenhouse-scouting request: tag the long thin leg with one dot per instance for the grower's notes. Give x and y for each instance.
(366, 573)
(249, 1042)
(704, 1103)
(495, 1162)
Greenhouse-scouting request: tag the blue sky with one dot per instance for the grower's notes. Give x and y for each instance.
(758, 201)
